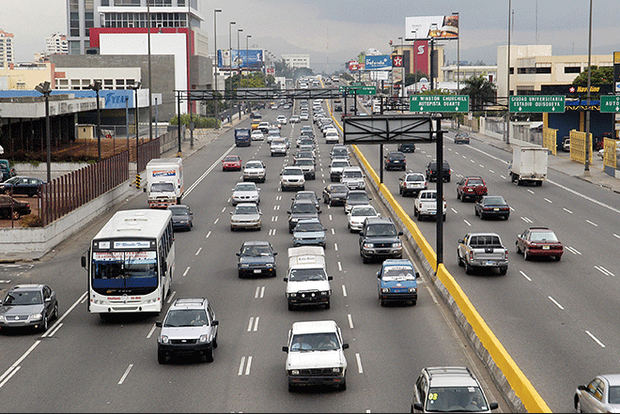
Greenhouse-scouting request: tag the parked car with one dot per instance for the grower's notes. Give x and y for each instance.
(395, 161)
(601, 395)
(379, 239)
(397, 282)
(182, 217)
(406, 147)
(566, 145)
(482, 250)
(462, 138)
(28, 306)
(189, 327)
(472, 187)
(13, 208)
(492, 206)
(412, 183)
(28, 186)
(335, 194)
(539, 241)
(246, 216)
(231, 163)
(256, 258)
(432, 170)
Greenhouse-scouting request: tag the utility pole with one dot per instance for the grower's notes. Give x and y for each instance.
(216, 102)
(508, 78)
(415, 57)
(44, 88)
(148, 37)
(458, 65)
(588, 138)
(229, 58)
(189, 57)
(96, 86)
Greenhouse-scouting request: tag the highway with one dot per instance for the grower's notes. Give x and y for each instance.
(83, 364)
(556, 319)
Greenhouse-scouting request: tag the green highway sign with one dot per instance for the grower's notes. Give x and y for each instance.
(360, 90)
(537, 103)
(610, 103)
(356, 83)
(439, 103)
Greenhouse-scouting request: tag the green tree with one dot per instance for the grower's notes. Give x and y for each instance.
(347, 77)
(411, 78)
(601, 75)
(480, 91)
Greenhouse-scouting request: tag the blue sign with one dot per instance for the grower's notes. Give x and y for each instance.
(241, 59)
(380, 62)
(114, 98)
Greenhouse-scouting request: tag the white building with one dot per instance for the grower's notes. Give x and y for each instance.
(56, 44)
(295, 61)
(6, 49)
(454, 72)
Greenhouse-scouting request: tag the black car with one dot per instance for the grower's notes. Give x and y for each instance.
(22, 185)
(182, 217)
(406, 147)
(461, 138)
(29, 306)
(337, 108)
(379, 239)
(11, 207)
(492, 206)
(6, 171)
(302, 209)
(395, 161)
(335, 194)
(256, 258)
(308, 195)
(431, 171)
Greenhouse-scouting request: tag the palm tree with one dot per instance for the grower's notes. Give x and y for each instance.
(480, 91)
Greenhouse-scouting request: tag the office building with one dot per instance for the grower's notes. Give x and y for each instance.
(296, 61)
(6, 49)
(56, 44)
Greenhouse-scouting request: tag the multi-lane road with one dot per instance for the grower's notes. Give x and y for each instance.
(557, 319)
(84, 364)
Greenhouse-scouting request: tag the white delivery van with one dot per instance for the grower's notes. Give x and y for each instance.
(529, 164)
(164, 182)
(307, 283)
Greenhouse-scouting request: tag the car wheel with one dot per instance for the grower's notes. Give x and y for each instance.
(481, 216)
(291, 388)
(518, 249)
(503, 270)
(55, 313)
(291, 307)
(506, 217)
(327, 305)
(240, 273)
(458, 195)
(468, 268)
(448, 180)
(208, 355)
(381, 302)
(444, 217)
(414, 302)
(162, 358)
(558, 258)
(400, 191)
(476, 212)
(459, 261)
(343, 385)
(525, 255)
(365, 260)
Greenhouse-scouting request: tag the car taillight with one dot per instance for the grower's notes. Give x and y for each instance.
(471, 255)
(506, 254)
(28, 205)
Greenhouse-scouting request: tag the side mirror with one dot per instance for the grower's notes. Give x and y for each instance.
(47, 300)
(215, 323)
(285, 279)
(275, 253)
(83, 261)
(461, 241)
(582, 388)
(288, 211)
(231, 213)
(345, 346)
(238, 254)
(158, 324)
(493, 406)
(418, 406)
(330, 278)
(417, 275)
(285, 348)
(400, 233)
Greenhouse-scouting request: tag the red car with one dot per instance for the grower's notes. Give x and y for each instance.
(471, 187)
(539, 241)
(231, 163)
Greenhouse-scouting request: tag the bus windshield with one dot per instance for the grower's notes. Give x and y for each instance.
(125, 271)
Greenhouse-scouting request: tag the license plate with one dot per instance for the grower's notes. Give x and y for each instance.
(489, 263)
(496, 209)
(257, 270)
(545, 247)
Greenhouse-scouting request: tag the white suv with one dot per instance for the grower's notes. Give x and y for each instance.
(331, 136)
(315, 355)
(353, 178)
(292, 177)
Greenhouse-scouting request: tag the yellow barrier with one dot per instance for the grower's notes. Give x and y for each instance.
(578, 146)
(550, 140)
(611, 156)
(522, 387)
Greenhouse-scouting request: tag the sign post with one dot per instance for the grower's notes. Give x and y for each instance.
(537, 104)
(439, 103)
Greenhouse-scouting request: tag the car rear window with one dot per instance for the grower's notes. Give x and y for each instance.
(475, 181)
(488, 240)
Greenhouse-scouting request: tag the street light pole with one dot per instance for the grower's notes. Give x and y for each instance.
(189, 65)
(44, 88)
(247, 37)
(415, 57)
(217, 113)
(230, 47)
(148, 37)
(238, 52)
(588, 138)
(508, 78)
(402, 81)
(458, 65)
(96, 86)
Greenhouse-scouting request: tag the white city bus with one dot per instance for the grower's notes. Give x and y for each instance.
(130, 263)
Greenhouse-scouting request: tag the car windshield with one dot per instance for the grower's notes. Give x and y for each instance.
(494, 200)
(340, 189)
(178, 211)
(340, 164)
(186, 317)
(308, 227)
(231, 159)
(415, 177)
(255, 164)
(457, 399)
(162, 187)
(278, 141)
(245, 187)
(23, 297)
(293, 171)
(352, 174)
(305, 196)
(357, 197)
(304, 208)
(363, 211)
(543, 236)
(383, 230)
(256, 251)
(304, 162)
(246, 209)
(304, 154)
(475, 181)
(614, 395)
(315, 342)
(302, 275)
(398, 273)
(339, 151)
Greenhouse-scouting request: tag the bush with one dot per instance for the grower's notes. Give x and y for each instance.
(199, 121)
(31, 220)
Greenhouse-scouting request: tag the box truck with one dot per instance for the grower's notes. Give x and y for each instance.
(164, 182)
(529, 164)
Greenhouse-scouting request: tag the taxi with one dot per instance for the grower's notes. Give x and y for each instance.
(397, 282)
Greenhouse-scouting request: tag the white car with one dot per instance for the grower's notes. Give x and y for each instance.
(303, 116)
(278, 147)
(358, 214)
(254, 170)
(292, 177)
(331, 136)
(425, 205)
(245, 193)
(353, 178)
(315, 355)
(245, 216)
(281, 119)
(257, 135)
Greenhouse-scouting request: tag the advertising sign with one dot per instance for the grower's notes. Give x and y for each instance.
(421, 56)
(354, 66)
(432, 27)
(378, 75)
(253, 59)
(380, 62)
(397, 61)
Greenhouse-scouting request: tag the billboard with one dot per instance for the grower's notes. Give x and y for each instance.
(432, 27)
(420, 56)
(354, 66)
(241, 59)
(379, 62)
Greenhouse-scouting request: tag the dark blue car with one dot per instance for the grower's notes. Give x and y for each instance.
(256, 258)
(22, 185)
(397, 282)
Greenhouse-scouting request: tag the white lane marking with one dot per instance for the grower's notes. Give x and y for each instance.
(186, 271)
(527, 220)
(202, 177)
(481, 166)
(340, 266)
(604, 271)
(503, 177)
(467, 222)
(449, 149)
(256, 324)
(228, 201)
(592, 223)
(148, 336)
(5, 281)
(53, 331)
(555, 302)
(84, 300)
(216, 220)
(548, 201)
(492, 172)
(323, 179)
(595, 339)
(273, 218)
(262, 292)
(350, 320)
(333, 231)
(174, 292)
(616, 236)
(462, 156)
(257, 292)
(241, 365)
(19, 361)
(13, 372)
(224, 209)
(330, 217)
(573, 250)
(599, 203)
(530, 191)
(248, 366)
(64, 315)
(277, 218)
(208, 234)
(125, 374)
(567, 210)
(250, 322)
(455, 212)
(336, 246)
(525, 276)
(344, 291)
(512, 209)
(359, 363)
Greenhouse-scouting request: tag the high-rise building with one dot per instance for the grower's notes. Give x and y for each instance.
(6, 49)
(297, 61)
(82, 15)
(56, 44)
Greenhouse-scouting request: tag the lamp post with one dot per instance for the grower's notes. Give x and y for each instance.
(247, 37)
(588, 138)
(415, 57)
(508, 78)
(215, 12)
(238, 54)
(44, 88)
(458, 65)
(148, 39)
(135, 88)
(96, 86)
(230, 47)
(402, 82)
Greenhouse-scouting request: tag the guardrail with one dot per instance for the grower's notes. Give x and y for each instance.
(519, 383)
(578, 146)
(550, 140)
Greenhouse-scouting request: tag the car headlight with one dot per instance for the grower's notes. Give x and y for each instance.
(397, 244)
(336, 369)
(291, 295)
(2, 319)
(203, 338)
(245, 265)
(324, 293)
(36, 316)
(163, 339)
(413, 290)
(369, 245)
(385, 290)
(294, 372)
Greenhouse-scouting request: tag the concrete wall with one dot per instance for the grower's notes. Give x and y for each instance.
(40, 170)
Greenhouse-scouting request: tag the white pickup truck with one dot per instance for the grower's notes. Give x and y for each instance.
(482, 250)
(425, 205)
(307, 283)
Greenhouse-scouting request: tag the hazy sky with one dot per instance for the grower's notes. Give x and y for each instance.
(332, 31)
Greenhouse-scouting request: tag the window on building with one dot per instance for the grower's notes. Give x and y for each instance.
(74, 47)
(75, 83)
(108, 83)
(126, 2)
(105, 3)
(180, 3)
(512, 71)
(572, 69)
(543, 70)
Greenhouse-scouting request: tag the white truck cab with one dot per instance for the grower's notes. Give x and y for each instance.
(164, 182)
(425, 205)
(307, 283)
